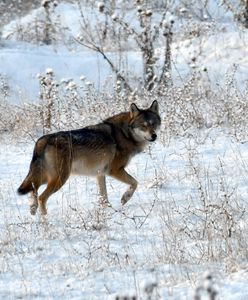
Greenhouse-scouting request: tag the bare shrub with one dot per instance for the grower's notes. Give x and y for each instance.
(12, 8)
(44, 28)
(116, 32)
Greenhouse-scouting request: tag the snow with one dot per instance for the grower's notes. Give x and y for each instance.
(217, 53)
(82, 251)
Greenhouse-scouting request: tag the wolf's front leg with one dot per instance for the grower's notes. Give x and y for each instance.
(102, 190)
(123, 176)
(128, 194)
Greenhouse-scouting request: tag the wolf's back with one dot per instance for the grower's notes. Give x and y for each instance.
(35, 167)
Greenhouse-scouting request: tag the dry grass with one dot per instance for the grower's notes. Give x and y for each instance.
(192, 217)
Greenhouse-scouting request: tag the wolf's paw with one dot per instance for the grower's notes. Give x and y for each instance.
(104, 202)
(126, 197)
(33, 209)
(43, 210)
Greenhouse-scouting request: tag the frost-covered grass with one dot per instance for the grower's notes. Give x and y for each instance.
(188, 216)
(183, 235)
(210, 48)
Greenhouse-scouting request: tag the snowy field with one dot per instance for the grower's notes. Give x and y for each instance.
(183, 235)
(188, 217)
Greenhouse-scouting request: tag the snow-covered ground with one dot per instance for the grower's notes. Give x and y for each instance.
(21, 62)
(188, 216)
(80, 251)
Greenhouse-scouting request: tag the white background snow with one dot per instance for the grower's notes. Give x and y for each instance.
(80, 251)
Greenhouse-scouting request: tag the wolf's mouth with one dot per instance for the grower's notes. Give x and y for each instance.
(152, 139)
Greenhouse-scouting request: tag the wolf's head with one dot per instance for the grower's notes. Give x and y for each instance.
(145, 122)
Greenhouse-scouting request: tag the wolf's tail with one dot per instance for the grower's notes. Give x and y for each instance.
(32, 179)
(26, 185)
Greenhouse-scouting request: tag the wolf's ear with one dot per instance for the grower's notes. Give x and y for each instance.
(154, 106)
(134, 110)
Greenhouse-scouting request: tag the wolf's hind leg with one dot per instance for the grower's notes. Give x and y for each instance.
(52, 187)
(102, 190)
(123, 176)
(33, 202)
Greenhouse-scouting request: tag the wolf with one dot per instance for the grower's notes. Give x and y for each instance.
(98, 150)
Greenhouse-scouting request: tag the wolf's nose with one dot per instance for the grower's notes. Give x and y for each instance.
(154, 136)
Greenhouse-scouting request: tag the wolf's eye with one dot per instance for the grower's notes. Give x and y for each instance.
(151, 123)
